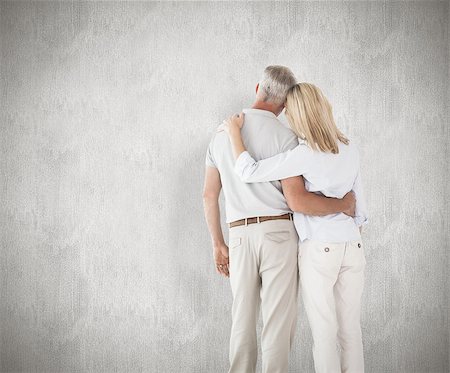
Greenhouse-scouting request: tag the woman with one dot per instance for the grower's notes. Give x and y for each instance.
(331, 255)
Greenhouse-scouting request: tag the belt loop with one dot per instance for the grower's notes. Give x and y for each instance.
(290, 216)
(246, 222)
(257, 219)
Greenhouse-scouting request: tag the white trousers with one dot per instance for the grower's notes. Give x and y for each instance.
(332, 279)
(263, 276)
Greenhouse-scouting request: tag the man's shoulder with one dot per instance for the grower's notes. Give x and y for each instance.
(219, 144)
(272, 125)
(219, 138)
(274, 133)
(285, 134)
(286, 131)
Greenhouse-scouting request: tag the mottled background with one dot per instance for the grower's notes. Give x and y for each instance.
(106, 112)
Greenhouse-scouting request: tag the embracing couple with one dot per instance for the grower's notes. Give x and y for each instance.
(294, 207)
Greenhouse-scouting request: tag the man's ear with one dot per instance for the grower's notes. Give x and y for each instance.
(257, 87)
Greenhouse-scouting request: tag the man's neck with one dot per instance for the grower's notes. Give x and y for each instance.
(261, 105)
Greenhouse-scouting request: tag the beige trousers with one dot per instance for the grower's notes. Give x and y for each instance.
(332, 279)
(263, 276)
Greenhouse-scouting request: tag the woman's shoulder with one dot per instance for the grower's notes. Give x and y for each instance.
(352, 144)
(351, 149)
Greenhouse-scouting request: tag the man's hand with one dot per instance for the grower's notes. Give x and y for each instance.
(350, 201)
(221, 259)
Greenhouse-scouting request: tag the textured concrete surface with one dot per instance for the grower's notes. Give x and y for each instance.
(106, 111)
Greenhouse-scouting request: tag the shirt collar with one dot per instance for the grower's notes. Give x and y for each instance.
(265, 113)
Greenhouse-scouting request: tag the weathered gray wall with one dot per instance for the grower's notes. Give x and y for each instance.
(106, 111)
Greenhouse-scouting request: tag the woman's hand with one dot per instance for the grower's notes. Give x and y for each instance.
(233, 124)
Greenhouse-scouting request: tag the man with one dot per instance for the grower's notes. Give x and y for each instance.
(261, 259)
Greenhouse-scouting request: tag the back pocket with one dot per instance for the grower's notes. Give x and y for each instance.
(278, 237)
(234, 242)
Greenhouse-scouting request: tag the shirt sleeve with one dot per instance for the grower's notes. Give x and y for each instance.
(209, 160)
(291, 144)
(361, 217)
(294, 162)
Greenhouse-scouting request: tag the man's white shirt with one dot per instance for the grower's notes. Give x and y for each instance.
(264, 136)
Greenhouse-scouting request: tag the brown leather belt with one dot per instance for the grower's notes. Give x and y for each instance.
(259, 219)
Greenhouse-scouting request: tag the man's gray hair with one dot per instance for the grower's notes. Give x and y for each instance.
(275, 83)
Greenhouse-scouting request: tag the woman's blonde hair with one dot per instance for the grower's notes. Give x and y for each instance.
(311, 118)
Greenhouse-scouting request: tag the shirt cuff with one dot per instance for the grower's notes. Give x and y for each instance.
(242, 163)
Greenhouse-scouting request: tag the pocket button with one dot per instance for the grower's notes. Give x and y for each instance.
(327, 249)
(359, 245)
